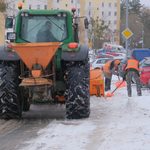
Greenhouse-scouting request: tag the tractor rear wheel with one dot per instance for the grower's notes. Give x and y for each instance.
(77, 93)
(10, 106)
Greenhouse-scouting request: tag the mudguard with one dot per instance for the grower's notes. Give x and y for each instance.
(79, 55)
(6, 54)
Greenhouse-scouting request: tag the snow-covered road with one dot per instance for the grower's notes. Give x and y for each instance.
(115, 123)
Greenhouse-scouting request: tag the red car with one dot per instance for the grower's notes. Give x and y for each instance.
(145, 71)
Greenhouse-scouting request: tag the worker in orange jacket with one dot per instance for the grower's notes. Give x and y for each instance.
(132, 72)
(110, 68)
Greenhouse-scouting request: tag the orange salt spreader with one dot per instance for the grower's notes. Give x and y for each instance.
(96, 82)
(36, 57)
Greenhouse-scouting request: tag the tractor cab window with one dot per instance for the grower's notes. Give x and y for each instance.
(44, 28)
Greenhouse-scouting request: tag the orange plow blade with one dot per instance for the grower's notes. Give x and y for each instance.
(36, 53)
(96, 82)
(109, 94)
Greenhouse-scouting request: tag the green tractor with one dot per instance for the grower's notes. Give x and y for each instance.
(44, 62)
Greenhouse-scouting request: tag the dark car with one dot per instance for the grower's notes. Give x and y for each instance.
(145, 71)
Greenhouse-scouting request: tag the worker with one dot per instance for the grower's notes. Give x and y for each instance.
(110, 68)
(45, 33)
(132, 72)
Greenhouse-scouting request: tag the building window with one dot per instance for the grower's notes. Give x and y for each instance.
(66, 5)
(57, 1)
(109, 22)
(89, 3)
(102, 13)
(71, 1)
(30, 7)
(115, 13)
(109, 4)
(115, 4)
(102, 4)
(109, 13)
(45, 6)
(38, 6)
(89, 13)
(78, 11)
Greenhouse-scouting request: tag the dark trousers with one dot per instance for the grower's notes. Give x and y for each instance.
(107, 84)
(133, 75)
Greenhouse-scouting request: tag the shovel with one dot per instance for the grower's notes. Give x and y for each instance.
(112, 93)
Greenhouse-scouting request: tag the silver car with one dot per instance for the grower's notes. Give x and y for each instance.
(99, 63)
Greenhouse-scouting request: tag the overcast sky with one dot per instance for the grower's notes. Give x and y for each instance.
(145, 2)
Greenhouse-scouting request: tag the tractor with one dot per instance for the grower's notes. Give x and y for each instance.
(44, 62)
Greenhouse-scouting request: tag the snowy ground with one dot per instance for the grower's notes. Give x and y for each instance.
(115, 123)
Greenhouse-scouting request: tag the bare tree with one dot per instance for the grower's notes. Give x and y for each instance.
(2, 6)
(96, 33)
(145, 18)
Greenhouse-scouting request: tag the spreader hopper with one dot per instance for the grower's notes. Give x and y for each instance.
(36, 53)
(36, 56)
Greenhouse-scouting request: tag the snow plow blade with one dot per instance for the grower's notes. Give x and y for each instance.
(110, 94)
(96, 82)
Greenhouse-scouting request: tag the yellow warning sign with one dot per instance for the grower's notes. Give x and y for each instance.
(127, 33)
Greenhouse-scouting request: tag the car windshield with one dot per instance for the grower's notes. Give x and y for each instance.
(43, 28)
(102, 61)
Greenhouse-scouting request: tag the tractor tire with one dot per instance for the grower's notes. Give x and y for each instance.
(10, 105)
(77, 93)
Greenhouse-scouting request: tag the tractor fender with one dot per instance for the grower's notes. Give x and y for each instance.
(6, 54)
(79, 55)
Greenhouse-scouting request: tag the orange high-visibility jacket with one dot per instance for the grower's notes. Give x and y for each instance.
(132, 64)
(106, 67)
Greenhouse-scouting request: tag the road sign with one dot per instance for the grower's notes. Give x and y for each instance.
(127, 33)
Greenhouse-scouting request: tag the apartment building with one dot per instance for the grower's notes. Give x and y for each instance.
(2, 31)
(109, 12)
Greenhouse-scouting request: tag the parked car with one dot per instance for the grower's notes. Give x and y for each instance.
(98, 63)
(140, 54)
(145, 71)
